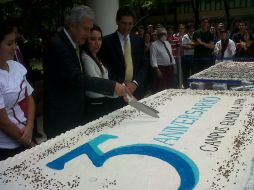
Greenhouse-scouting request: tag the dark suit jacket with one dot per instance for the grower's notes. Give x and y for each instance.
(26, 49)
(65, 85)
(112, 56)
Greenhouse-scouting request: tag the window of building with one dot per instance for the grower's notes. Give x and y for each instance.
(243, 3)
(212, 4)
(187, 7)
(182, 8)
(232, 4)
(190, 7)
(237, 4)
(222, 5)
(178, 9)
(218, 5)
(208, 5)
(202, 6)
(250, 3)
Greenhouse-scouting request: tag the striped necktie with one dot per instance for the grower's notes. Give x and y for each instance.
(128, 61)
(169, 54)
(77, 52)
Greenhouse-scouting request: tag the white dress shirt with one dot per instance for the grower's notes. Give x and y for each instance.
(186, 40)
(159, 54)
(69, 37)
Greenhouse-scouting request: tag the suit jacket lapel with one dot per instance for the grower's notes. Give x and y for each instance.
(133, 47)
(118, 47)
(70, 46)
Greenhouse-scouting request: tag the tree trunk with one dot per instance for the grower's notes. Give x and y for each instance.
(175, 13)
(195, 7)
(165, 13)
(226, 8)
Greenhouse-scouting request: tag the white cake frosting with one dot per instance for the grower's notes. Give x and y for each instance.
(202, 140)
(228, 71)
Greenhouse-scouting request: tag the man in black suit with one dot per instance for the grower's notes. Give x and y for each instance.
(124, 55)
(65, 81)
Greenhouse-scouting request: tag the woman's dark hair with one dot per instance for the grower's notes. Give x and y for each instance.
(88, 52)
(146, 33)
(203, 18)
(168, 27)
(5, 29)
(190, 25)
(224, 44)
(125, 11)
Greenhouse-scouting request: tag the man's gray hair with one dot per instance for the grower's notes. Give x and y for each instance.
(77, 14)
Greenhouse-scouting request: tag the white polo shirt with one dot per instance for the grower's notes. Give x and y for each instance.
(13, 87)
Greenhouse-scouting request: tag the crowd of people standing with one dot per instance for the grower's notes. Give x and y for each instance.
(197, 49)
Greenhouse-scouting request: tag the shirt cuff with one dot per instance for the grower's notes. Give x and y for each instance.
(135, 82)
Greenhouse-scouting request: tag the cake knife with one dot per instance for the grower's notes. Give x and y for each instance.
(142, 107)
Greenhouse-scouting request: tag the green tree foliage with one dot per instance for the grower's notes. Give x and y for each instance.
(143, 8)
(36, 17)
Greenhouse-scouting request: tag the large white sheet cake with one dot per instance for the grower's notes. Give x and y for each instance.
(202, 140)
(229, 72)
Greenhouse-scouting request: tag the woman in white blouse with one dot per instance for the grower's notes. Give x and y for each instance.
(97, 104)
(225, 48)
(17, 106)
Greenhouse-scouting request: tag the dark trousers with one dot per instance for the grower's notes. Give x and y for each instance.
(98, 107)
(57, 122)
(166, 81)
(201, 63)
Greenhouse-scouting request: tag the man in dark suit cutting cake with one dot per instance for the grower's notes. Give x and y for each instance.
(65, 80)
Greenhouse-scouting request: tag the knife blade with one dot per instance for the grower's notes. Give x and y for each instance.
(156, 111)
(142, 107)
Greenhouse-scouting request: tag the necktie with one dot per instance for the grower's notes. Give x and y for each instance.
(169, 54)
(19, 56)
(128, 61)
(77, 52)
